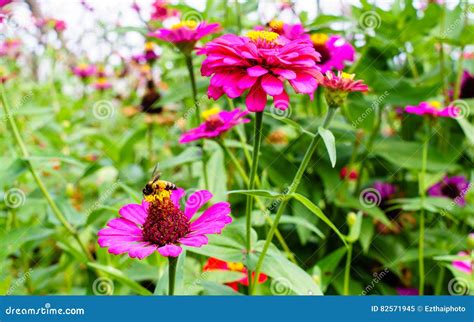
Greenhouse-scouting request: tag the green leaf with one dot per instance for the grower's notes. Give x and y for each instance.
(318, 212)
(330, 143)
(468, 129)
(13, 171)
(300, 221)
(328, 266)
(120, 276)
(260, 193)
(366, 234)
(213, 288)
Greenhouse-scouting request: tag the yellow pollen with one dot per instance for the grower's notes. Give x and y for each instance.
(435, 104)
(238, 267)
(276, 24)
(319, 38)
(82, 66)
(268, 36)
(149, 46)
(102, 80)
(347, 76)
(208, 113)
(189, 24)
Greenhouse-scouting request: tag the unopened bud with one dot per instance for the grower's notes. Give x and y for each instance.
(351, 219)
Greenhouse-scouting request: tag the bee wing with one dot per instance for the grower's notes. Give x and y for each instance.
(156, 174)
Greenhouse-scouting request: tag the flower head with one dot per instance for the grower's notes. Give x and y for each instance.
(160, 224)
(433, 108)
(10, 47)
(260, 62)
(84, 70)
(455, 188)
(161, 11)
(335, 51)
(339, 85)
(463, 265)
(186, 34)
(102, 83)
(215, 124)
(148, 55)
(56, 24)
(289, 31)
(214, 264)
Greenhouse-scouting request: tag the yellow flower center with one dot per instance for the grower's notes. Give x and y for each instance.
(82, 66)
(319, 38)
(347, 76)
(189, 24)
(268, 36)
(102, 80)
(436, 104)
(149, 46)
(276, 24)
(238, 267)
(209, 113)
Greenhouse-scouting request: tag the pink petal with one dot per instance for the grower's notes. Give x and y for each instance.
(281, 101)
(247, 81)
(286, 73)
(170, 250)
(256, 99)
(176, 196)
(272, 85)
(194, 241)
(256, 71)
(196, 201)
(133, 212)
(124, 225)
(141, 251)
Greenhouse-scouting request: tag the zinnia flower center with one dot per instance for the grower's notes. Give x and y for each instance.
(319, 43)
(450, 190)
(149, 46)
(437, 105)
(189, 24)
(213, 122)
(276, 25)
(262, 36)
(165, 223)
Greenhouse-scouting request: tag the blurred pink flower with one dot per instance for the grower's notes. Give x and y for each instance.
(84, 70)
(56, 24)
(160, 10)
(162, 226)
(259, 63)
(3, 3)
(148, 55)
(463, 265)
(216, 123)
(455, 187)
(102, 84)
(289, 31)
(335, 51)
(432, 108)
(10, 47)
(186, 34)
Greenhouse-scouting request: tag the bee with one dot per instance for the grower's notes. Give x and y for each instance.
(156, 186)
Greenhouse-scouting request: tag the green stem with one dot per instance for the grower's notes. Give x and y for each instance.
(204, 166)
(251, 185)
(347, 271)
(238, 15)
(25, 155)
(260, 204)
(192, 78)
(292, 188)
(422, 180)
(172, 263)
(150, 145)
(439, 283)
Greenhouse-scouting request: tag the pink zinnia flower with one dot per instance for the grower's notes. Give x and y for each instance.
(161, 225)
(463, 265)
(102, 84)
(334, 50)
(160, 11)
(186, 34)
(259, 63)
(338, 86)
(289, 31)
(433, 108)
(216, 123)
(84, 70)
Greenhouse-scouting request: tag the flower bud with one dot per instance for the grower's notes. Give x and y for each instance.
(351, 219)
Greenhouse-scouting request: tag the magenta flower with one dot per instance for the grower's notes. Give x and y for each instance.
(186, 34)
(259, 63)
(467, 86)
(84, 70)
(335, 51)
(455, 188)
(3, 3)
(148, 55)
(432, 108)
(216, 123)
(102, 84)
(463, 265)
(160, 10)
(338, 86)
(289, 31)
(407, 291)
(386, 190)
(162, 226)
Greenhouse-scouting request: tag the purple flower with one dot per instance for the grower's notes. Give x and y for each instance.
(335, 51)
(160, 225)
(454, 188)
(386, 190)
(433, 108)
(215, 124)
